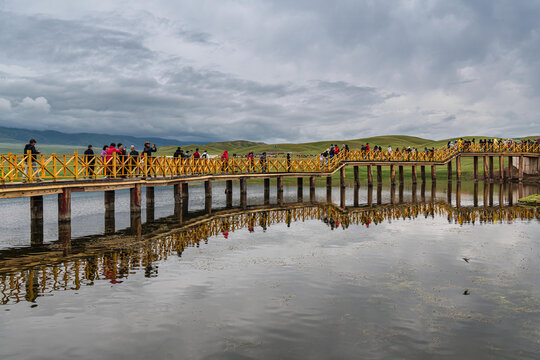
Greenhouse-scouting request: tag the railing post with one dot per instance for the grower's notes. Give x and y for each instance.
(76, 164)
(29, 169)
(114, 165)
(145, 164)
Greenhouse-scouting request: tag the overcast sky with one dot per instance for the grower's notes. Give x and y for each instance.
(272, 71)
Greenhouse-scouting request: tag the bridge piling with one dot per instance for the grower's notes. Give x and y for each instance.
(400, 169)
(356, 197)
(423, 173)
(510, 195)
(393, 194)
(486, 170)
(150, 204)
(185, 194)
(521, 168)
(370, 195)
(379, 194)
(458, 168)
(36, 220)
(64, 206)
(449, 193)
(342, 177)
(433, 173)
(449, 171)
(475, 168)
(401, 188)
(392, 174)
(110, 225)
(312, 188)
(208, 196)
(491, 190)
(501, 194)
(135, 211)
(501, 168)
(485, 197)
(475, 194)
(356, 177)
(423, 191)
(370, 174)
(379, 174)
(280, 190)
(510, 168)
(342, 195)
(266, 191)
(300, 189)
(329, 189)
(458, 194)
(491, 173)
(228, 193)
(413, 190)
(243, 192)
(413, 168)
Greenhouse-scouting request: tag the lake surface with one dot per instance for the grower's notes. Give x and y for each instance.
(406, 273)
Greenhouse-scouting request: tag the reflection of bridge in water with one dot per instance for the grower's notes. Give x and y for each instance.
(28, 273)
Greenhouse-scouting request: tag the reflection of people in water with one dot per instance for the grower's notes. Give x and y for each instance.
(263, 220)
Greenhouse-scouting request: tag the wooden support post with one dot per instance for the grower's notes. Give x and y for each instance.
(501, 168)
(379, 194)
(342, 195)
(400, 192)
(491, 168)
(280, 190)
(510, 195)
(400, 169)
(110, 221)
(521, 160)
(458, 194)
(329, 189)
(491, 193)
(356, 197)
(423, 173)
(208, 196)
(475, 194)
(177, 190)
(413, 168)
(433, 191)
(64, 206)
(300, 189)
(501, 194)
(266, 191)
(449, 193)
(135, 211)
(458, 168)
(312, 188)
(486, 170)
(485, 197)
(510, 168)
(379, 174)
(369, 175)
(228, 193)
(243, 192)
(393, 174)
(150, 204)
(423, 192)
(433, 173)
(413, 191)
(475, 167)
(393, 194)
(185, 193)
(36, 220)
(450, 170)
(342, 177)
(356, 176)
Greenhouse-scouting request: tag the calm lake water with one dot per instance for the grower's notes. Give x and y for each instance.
(406, 274)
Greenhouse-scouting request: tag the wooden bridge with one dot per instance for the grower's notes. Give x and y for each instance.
(37, 175)
(28, 273)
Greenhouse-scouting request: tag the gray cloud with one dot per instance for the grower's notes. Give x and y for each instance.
(272, 71)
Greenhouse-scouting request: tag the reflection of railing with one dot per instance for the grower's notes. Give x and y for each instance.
(114, 261)
(55, 167)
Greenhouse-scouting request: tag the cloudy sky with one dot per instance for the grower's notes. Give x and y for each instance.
(273, 70)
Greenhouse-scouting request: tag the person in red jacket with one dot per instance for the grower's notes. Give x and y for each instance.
(225, 161)
(108, 159)
(196, 154)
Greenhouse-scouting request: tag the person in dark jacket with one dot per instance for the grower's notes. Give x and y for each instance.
(90, 160)
(133, 161)
(178, 153)
(148, 150)
(31, 147)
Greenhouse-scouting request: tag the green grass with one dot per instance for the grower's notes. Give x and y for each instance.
(531, 199)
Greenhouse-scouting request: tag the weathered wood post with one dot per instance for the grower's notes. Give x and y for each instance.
(501, 168)
(64, 206)
(342, 177)
(393, 194)
(369, 174)
(449, 193)
(400, 169)
(356, 197)
(312, 188)
(510, 195)
(266, 191)
(458, 194)
(413, 168)
(458, 168)
(491, 193)
(110, 226)
(36, 220)
(491, 168)
(379, 174)
(342, 194)
(521, 160)
(400, 192)
(300, 189)
(280, 190)
(243, 192)
(475, 167)
(370, 195)
(485, 197)
(510, 168)
(413, 190)
(342, 190)
(228, 193)
(423, 191)
(135, 210)
(486, 170)
(423, 173)
(501, 194)
(185, 193)
(433, 173)
(449, 172)
(393, 174)
(379, 194)
(475, 194)
(433, 191)
(329, 189)
(356, 176)
(150, 204)
(177, 191)
(208, 196)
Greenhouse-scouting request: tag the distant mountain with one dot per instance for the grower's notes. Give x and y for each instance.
(15, 135)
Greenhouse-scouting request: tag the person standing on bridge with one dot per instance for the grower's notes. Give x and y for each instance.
(225, 161)
(133, 161)
(148, 150)
(31, 147)
(111, 151)
(90, 161)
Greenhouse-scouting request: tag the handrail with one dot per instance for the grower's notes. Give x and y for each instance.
(53, 167)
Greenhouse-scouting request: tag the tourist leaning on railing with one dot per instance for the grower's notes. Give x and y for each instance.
(31, 151)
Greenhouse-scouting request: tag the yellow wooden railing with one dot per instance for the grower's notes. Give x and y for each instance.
(54, 167)
(110, 263)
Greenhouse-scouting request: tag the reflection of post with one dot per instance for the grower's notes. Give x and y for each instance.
(342, 196)
(150, 204)
(449, 193)
(413, 190)
(475, 168)
(491, 194)
(393, 194)
(356, 190)
(423, 173)
(208, 196)
(280, 190)
(501, 194)
(229, 193)
(433, 191)
(379, 194)
(413, 174)
(136, 225)
(329, 189)
(392, 174)
(179, 212)
(64, 236)
(400, 170)
(458, 194)
(370, 195)
(423, 191)
(458, 168)
(243, 193)
(312, 188)
(300, 189)
(401, 187)
(64, 219)
(501, 168)
(510, 195)
(485, 197)
(109, 221)
(36, 220)
(475, 194)
(369, 175)
(379, 174)
(32, 286)
(266, 191)
(356, 176)
(520, 190)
